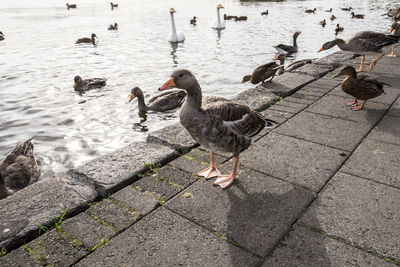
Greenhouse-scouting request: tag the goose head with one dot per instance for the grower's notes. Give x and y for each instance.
(280, 57)
(296, 34)
(182, 79)
(136, 92)
(330, 44)
(348, 71)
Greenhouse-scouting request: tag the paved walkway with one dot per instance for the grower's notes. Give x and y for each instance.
(321, 189)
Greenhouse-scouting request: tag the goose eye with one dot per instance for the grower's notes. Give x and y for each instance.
(180, 75)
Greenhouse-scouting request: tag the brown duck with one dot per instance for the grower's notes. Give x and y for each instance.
(356, 16)
(362, 43)
(164, 101)
(87, 40)
(219, 125)
(261, 73)
(360, 87)
(18, 169)
(310, 10)
(113, 27)
(71, 6)
(88, 84)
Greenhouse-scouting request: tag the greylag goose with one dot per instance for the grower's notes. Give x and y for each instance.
(292, 66)
(218, 125)
(395, 30)
(113, 27)
(87, 40)
(71, 6)
(113, 5)
(288, 49)
(310, 10)
(264, 12)
(164, 101)
(88, 84)
(1, 36)
(360, 87)
(261, 73)
(363, 43)
(356, 16)
(193, 21)
(18, 169)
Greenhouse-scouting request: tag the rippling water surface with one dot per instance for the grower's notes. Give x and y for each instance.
(39, 59)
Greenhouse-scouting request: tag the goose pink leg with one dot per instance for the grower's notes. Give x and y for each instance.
(352, 103)
(226, 180)
(211, 171)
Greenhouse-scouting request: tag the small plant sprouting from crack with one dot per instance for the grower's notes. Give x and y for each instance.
(101, 243)
(60, 218)
(42, 229)
(3, 252)
(152, 168)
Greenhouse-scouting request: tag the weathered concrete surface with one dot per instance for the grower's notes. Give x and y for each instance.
(38, 204)
(325, 130)
(258, 98)
(295, 107)
(395, 109)
(278, 116)
(387, 130)
(174, 136)
(116, 170)
(335, 106)
(359, 211)
(298, 161)
(377, 161)
(165, 239)
(87, 230)
(315, 70)
(114, 213)
(136, 199)
(254, 212)
(335, 59)
(18, 258)
(288, 83)
(303, 247)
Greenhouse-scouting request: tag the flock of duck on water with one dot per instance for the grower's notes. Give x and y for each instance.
(216, 123)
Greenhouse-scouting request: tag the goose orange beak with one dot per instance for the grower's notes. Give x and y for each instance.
(321, 49)
(168, 85)
(391, 29)
(132, 97)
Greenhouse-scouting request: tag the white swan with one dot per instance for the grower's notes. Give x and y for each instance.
(175, 36)
(218, 24)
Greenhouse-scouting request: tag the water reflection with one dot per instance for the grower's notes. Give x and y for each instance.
(137, 126)
(174, 47)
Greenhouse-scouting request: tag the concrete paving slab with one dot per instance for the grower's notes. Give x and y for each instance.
(299, 100)
(114, 214)
(335, 106)
(377, 161)
(335, 59)
(298, 106)
(302, 96)
(282, 108)
(359, 211)
(288, 83)
(258, 98)
(174, 136)
(277, 116)
(315, 70)
(387, 130)
(325, 130)
(136, 199)
(118, 169)
(176, 176)
(87, 230)
(159, 189)
(52, 249)
(254, 212)
(298, 161)
(313, 91)
(303, 247)
(395, 109)
(165, 239)
(19, 218)
(18, 258)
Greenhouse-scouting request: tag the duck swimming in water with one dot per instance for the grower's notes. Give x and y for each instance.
(164, 101)
(289, 49)
(88, 84)
(87, 40)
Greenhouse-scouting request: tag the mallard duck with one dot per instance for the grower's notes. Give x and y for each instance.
(88, 84)
(360, 87)
(113, 27)
(363, 43)
(333, 17)
(175, 36)
(310, 10)
(87, 40)
(239, 18)
(329, 10)
(193, 21)
(71, 6)
(265, 12)
(338, 29)
(261, 73)
(228, 17)
(113, 5)
(322, 23)
(2, 37)
(356, 16)
(288, 49)
(218, 126)
(18, 169)
(395, 30)
(346, 8)
(292, 66)
(164, 101)
(218, 24)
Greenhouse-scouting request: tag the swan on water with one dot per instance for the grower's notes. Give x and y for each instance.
(175, 36)
(218, 24)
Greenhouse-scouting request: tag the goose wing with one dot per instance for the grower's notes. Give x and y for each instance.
(167, 100)
(263, 72)
(371, 41)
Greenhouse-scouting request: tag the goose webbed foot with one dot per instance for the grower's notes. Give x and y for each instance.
(352, 103)
(392, 54)
(359, 107)
(224, 180)
(210, 172)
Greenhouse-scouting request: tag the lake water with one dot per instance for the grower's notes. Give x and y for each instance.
(39, 59)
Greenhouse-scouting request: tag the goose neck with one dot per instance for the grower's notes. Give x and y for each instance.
(142, 106)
